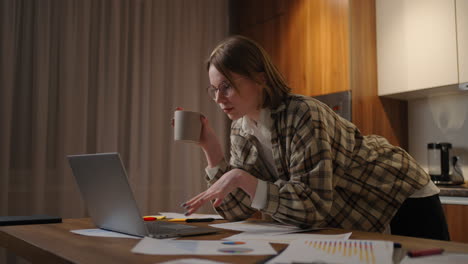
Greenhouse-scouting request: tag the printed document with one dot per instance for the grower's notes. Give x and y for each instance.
(151, 246)
(261, 227)
(337, 251)
(285, 238)
(97, 232)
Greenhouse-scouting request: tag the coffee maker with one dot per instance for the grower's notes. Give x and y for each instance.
(440, 169)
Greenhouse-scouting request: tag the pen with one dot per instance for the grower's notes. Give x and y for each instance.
(425, 252)
(191, 220)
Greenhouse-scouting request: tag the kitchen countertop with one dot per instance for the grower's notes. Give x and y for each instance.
(454, 190)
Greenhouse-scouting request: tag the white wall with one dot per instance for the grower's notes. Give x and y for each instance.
(439, 119)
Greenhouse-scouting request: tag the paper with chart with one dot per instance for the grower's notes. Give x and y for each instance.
(261, 227)
(285, 238)
(337, 251)
(152, 246)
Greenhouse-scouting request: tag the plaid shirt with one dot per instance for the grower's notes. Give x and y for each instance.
(329, 174)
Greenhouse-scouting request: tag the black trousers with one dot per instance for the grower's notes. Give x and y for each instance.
(421, 217)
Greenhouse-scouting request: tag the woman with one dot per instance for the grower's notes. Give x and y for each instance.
(296, 160)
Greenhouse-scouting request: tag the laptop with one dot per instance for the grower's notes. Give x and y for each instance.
(104, 186)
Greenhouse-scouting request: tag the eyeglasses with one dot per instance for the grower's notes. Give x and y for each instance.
(224, 88)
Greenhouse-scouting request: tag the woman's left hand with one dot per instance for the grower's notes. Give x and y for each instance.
(231, 180)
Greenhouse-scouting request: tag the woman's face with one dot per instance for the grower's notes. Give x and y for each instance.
(246, 101)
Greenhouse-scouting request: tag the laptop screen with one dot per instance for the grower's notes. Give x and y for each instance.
(104, 186)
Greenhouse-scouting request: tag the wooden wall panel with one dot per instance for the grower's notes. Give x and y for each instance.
(327, 42)
(307, 40)
(247, 13)
(457, 220)
(372, 114)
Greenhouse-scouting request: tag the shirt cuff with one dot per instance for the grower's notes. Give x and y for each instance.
(211, 172)
(260, 198)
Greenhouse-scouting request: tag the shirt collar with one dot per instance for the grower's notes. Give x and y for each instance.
(264, 122)
(282, 106)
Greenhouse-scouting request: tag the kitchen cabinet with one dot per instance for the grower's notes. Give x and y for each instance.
(462, 37)
(421, 44)
(457, 220)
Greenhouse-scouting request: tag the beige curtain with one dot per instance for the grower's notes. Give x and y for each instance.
(87, 76)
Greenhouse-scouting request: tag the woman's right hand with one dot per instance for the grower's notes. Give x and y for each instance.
(207, 135)
(210, 144)
(208, 141)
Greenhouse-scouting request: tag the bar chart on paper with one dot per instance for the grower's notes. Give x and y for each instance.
(337, 251)
(356, 250)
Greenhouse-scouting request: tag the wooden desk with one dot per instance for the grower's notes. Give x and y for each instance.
(54, 243)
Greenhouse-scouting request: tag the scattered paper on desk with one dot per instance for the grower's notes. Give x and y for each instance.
(151, 246)
(285, 238)
(192, 261)
(452, 258)
(97, 232)
(179, 215)
(337, 251)
(261, 227)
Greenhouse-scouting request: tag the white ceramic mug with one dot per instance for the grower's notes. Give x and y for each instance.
(187, 126)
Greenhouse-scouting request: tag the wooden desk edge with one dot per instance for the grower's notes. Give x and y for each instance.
(33, 252)
(28, 251)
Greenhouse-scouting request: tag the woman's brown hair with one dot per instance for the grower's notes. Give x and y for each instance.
(243, 56)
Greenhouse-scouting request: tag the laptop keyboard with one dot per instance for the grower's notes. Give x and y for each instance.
(162, 227)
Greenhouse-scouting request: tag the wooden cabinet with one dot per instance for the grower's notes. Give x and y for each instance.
(307, 40)
(457, 220)
(462, 37)
(416, 45)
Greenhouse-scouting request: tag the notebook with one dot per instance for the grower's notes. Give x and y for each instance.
(102, 181)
